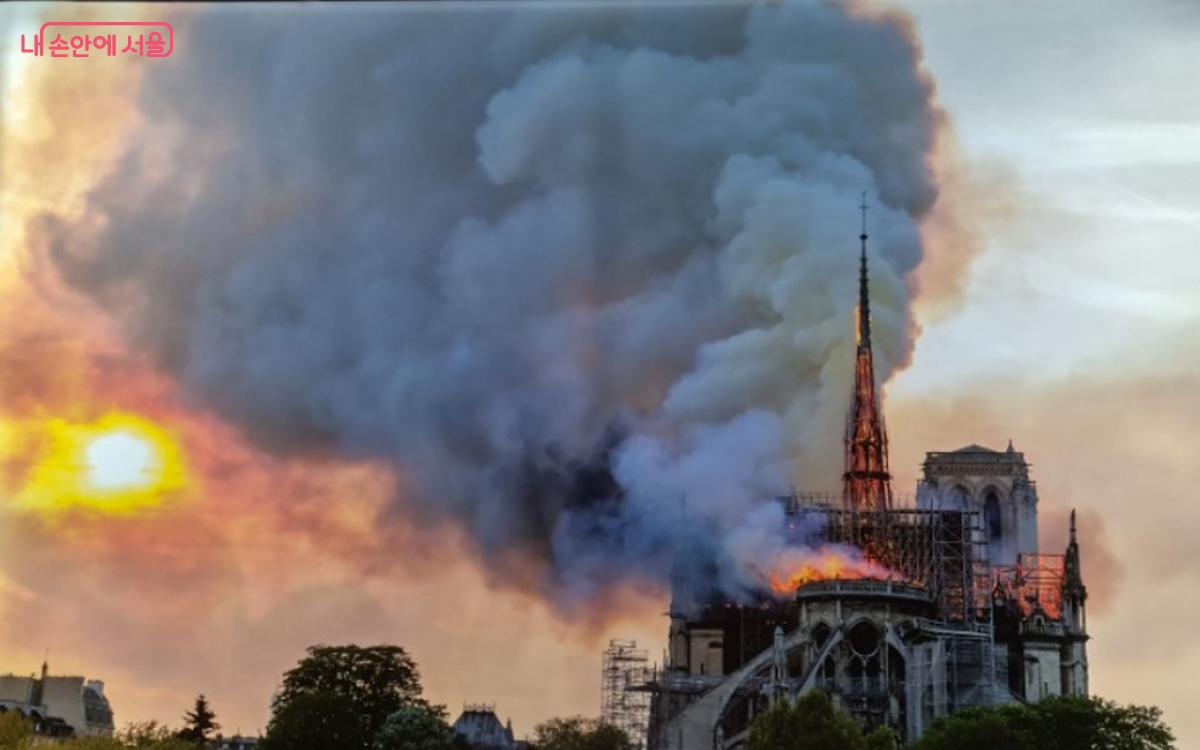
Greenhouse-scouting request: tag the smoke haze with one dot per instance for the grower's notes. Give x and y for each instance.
(583, 279)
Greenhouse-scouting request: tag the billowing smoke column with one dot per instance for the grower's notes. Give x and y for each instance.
(585, 275)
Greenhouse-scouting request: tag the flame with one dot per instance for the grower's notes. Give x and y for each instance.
(1034, 583)
(800, 567)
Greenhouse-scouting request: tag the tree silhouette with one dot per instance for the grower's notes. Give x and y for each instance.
(813, 723)
(199, 723)
(578, 733)
(378, 680)
(1059, 723)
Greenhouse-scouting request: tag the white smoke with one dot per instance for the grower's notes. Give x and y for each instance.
(584, 275)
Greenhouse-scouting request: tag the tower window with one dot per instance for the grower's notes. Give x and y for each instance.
(992, 517)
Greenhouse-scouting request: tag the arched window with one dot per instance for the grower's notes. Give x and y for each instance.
(992, 517)
(864, 638)
(874, 668)
(829, 668)
(820, 633)
(960, 498)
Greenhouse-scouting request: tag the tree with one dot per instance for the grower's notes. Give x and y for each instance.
(1061, 723)
(143, 733)
(882, 739)
(813, 723)
(98, 743)
(15, 731)
(1098, 724)
(150, 735)
(1012, 727)
(417, 728)
(317, 721)
(578, 733)
(378, 680)
(199, 723)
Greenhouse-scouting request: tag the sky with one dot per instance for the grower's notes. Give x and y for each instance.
(1052, 306)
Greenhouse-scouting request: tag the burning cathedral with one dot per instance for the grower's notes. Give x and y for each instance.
(905, 611)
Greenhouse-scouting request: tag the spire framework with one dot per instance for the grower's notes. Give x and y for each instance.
(867, 484)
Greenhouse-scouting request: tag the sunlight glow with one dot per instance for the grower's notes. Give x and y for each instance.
(119, 464)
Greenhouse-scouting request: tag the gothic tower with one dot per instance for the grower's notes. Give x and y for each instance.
(866, 482)
(1074, 615)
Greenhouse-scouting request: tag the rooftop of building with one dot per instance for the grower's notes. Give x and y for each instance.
(479, 725)
(864, 588)
(976, 453)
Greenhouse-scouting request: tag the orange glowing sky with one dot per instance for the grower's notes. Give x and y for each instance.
(1071, 336)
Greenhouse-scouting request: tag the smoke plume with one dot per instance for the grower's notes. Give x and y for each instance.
(584, 276)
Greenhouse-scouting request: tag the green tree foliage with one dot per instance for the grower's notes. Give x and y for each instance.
(578, 733)
(143, 734)
(814, 723)
(1052, 724)
(882, 739)
(1003, 728)
(200, 723)
(149, 735)
(15, 731)
(317, 721)
(378, 680)
(107, 743)
(417, 728)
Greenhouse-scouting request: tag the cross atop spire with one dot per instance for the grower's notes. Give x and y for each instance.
(864, 299)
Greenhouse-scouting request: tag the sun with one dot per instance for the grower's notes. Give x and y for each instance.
(119, 459)
(120, 464)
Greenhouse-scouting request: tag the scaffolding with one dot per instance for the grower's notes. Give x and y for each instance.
(624, 702)
(1034, 583)
(942, 551)
(955, 666)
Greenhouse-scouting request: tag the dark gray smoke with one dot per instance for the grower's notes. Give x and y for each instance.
(584, 275)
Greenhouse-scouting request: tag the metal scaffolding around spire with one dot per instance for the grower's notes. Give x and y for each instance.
(866, 482)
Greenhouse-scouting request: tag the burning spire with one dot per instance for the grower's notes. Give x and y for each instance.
(866, 482)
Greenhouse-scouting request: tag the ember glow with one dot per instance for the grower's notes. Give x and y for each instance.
(827, 563)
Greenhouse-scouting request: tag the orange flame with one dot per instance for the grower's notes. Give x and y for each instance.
(1035, 582)
(800, 567)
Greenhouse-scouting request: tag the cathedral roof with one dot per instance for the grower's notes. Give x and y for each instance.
(976, 454)
(974, 448)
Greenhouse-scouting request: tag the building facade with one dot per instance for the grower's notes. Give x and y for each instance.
(58, 706)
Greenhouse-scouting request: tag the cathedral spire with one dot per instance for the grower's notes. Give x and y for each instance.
(1074, 593)
(864, 297)
(1073, 575)
(866, 481)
